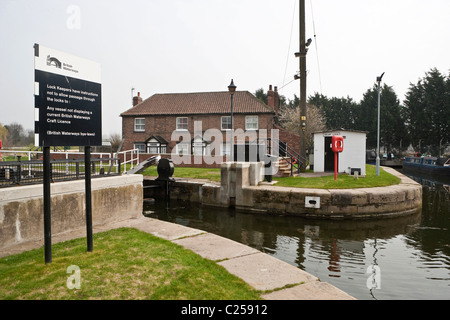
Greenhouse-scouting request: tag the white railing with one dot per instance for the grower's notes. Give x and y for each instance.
(132, 156)
(34, 155)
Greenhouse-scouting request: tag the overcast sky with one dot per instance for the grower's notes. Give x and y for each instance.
(162, 46)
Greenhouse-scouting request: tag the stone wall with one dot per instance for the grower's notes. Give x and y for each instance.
(242, 187)
(402, 199)
(21, 208)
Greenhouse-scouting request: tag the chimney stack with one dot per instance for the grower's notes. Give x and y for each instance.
(276, 101)
(273, 99)
(270, 97)
(137, 99)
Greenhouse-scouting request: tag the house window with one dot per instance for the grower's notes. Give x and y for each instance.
(225, 149)
(225, 123)
(197, 148)
(156, 148)
(251, 122)
(200, 147)
(182, 123)
(139, 124)
(156, 145)
(182, 148)
(153, 147)
(140, 146)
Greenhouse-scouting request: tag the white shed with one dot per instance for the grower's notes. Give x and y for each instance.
(352, 158)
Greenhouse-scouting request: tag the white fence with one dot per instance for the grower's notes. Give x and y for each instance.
(130, 157)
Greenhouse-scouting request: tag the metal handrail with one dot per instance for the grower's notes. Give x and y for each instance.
(133, 161)
(294, 159)
(14, 173)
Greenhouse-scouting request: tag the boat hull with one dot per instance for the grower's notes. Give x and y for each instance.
(425, 166)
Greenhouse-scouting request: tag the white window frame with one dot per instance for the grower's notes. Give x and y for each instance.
(198, 148)
(141, 146)
(139, 127)
(222, 123)
(225, 149)
(183, 147)
(179, 124)
(250, 122)
(153, 147)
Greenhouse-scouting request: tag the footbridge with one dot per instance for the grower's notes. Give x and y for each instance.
(144, 164)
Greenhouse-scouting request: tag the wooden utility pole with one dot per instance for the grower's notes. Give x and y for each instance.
(302, 82)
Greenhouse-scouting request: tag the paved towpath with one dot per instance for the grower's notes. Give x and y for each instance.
(259, 270)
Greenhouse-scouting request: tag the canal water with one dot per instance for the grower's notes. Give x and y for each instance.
(400, 258)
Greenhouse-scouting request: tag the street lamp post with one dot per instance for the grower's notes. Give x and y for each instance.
(232, 90)
(378, 128)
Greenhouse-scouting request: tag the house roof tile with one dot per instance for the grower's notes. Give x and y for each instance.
(198, 103)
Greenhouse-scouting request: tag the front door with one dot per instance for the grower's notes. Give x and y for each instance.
(329, 155)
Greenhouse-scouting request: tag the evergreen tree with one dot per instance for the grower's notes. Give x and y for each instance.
(338, 112)
(427, 107)
(261, 95)
(392, 125)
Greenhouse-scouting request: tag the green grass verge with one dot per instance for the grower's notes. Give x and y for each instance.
(212, 174)
(343, 181)
(326, 182)
(126, 264)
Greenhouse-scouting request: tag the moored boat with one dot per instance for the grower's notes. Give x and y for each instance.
(427, 165)
(393, 163)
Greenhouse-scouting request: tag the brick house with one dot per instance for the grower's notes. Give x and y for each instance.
(151, 123)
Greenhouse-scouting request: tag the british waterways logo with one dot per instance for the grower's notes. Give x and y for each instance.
(52, 61)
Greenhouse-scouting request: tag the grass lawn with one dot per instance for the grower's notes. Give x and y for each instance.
(343, 181)
(212, 174)
(126, 264)
(327, 182)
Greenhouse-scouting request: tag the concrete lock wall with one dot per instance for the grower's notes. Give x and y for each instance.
(242, 187)
(402, 199)
(21, 208)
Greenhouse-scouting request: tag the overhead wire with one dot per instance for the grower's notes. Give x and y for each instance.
(284, 84)
(289, 47)
(315, 44)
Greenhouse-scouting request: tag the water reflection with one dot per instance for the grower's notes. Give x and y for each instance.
(404, 254)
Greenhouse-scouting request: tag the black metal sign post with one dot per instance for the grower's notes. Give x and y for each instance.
(67, 113)
(87, 179)
(47, 207)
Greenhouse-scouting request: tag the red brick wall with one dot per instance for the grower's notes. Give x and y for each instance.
(292, 139)
(164, 126)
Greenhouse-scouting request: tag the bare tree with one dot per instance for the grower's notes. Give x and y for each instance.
(290, 119)
(115, 140)
(3, 133)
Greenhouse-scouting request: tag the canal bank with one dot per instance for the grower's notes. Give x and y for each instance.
(410, 253)
(242, 187)
(281, 280)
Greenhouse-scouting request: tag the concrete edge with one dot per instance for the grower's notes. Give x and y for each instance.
(261, 271)
(66, 187)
